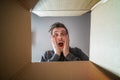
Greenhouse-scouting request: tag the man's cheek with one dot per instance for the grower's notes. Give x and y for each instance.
(65, 38)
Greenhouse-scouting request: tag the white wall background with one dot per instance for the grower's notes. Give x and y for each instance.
(105, 36)
(79, 31)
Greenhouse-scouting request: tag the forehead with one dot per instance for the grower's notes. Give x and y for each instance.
(59, 30)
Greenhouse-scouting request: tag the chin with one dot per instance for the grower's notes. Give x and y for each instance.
(61, 48)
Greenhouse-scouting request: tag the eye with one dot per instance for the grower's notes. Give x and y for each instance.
(55, 34)
(63, 34)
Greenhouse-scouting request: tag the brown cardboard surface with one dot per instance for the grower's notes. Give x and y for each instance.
(77, 70)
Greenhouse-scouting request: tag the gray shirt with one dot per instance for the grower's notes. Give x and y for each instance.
(75, 54)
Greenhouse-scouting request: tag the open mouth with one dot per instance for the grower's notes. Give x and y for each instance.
(60, 44)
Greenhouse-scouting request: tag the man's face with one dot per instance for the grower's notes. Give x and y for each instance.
(60, 36)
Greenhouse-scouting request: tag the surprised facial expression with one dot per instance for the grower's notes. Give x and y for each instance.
(60, 36)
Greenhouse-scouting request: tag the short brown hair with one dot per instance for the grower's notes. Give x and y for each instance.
(57, 25)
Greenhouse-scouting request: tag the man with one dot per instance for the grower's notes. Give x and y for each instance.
(61, 50)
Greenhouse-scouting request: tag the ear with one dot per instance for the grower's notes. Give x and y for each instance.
(68, 38)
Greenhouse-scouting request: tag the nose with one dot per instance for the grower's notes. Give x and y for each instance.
(60, 37)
